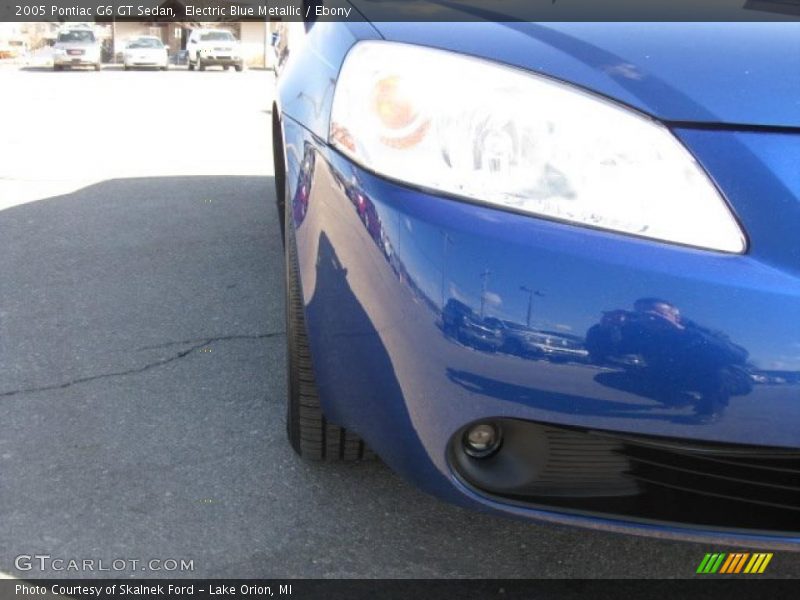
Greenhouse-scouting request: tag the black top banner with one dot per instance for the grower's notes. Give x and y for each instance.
(398, 10)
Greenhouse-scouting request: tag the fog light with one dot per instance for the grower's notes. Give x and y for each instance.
(482, 440)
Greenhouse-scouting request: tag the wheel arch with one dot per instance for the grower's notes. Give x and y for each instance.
(279, 165)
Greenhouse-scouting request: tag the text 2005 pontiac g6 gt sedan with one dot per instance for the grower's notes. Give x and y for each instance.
(551, 271)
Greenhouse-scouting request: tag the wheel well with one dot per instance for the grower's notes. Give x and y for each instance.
(279, 161)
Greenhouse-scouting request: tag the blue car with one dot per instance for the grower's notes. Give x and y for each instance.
(551, 271)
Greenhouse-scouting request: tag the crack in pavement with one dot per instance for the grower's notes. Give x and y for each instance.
(197, 344)
(223, 338)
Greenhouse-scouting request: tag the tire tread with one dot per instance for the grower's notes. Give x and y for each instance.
(310, 434)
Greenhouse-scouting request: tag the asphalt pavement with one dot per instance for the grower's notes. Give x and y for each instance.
(142, 362)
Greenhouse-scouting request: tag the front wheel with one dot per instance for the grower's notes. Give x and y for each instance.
(238, 68)
(310, 434)
(200, 65)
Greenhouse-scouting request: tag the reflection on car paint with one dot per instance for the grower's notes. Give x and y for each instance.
(303, 187)
(651, 351)
(659, 354)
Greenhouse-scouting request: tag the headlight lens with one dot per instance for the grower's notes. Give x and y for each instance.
(506, 137)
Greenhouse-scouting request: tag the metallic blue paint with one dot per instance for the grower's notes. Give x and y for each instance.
(409, 299)
(734, 73)
(308, 79)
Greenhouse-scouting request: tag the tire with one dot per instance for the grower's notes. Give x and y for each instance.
(514, 347)
(238, 68)
(127, 68)
(97, 67)
(57, 68)
(200, 65)
(191, 66)
(310, 434)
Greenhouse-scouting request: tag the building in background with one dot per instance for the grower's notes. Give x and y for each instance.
(13, 42)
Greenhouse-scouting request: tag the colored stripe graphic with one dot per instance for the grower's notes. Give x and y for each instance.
(755, 562)
(727, 564)
(703, 563)
(715, 566)
(741, 562)
(711, 563)
(734, 563)
(765, 563)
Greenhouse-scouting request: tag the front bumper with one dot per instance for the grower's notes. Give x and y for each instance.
(386, 368)
(145, 61)
(75, 61)
(220, 59)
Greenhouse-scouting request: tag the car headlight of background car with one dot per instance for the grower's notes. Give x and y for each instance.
(507, 137)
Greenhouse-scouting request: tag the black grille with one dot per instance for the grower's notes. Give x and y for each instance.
(642, 478)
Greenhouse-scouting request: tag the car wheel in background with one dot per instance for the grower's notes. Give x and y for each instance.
(238, 67)
(57, 68)
(191, 65)
(200, 65)
(310, 434)
(97, 67)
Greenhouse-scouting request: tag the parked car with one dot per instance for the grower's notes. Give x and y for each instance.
(555, 346)
(76, 48)
(643, 177)
(214, 47)
(146, 51)
(460, 322)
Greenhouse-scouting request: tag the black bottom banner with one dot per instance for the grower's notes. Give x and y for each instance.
(463, 589)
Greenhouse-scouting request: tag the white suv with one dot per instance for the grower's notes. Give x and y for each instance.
(76, 48)
(208, 47)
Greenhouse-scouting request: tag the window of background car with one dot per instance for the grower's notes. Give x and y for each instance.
(217, 36)
(146, 43)
(76, 36)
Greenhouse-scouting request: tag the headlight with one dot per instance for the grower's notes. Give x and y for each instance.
(506, 137)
